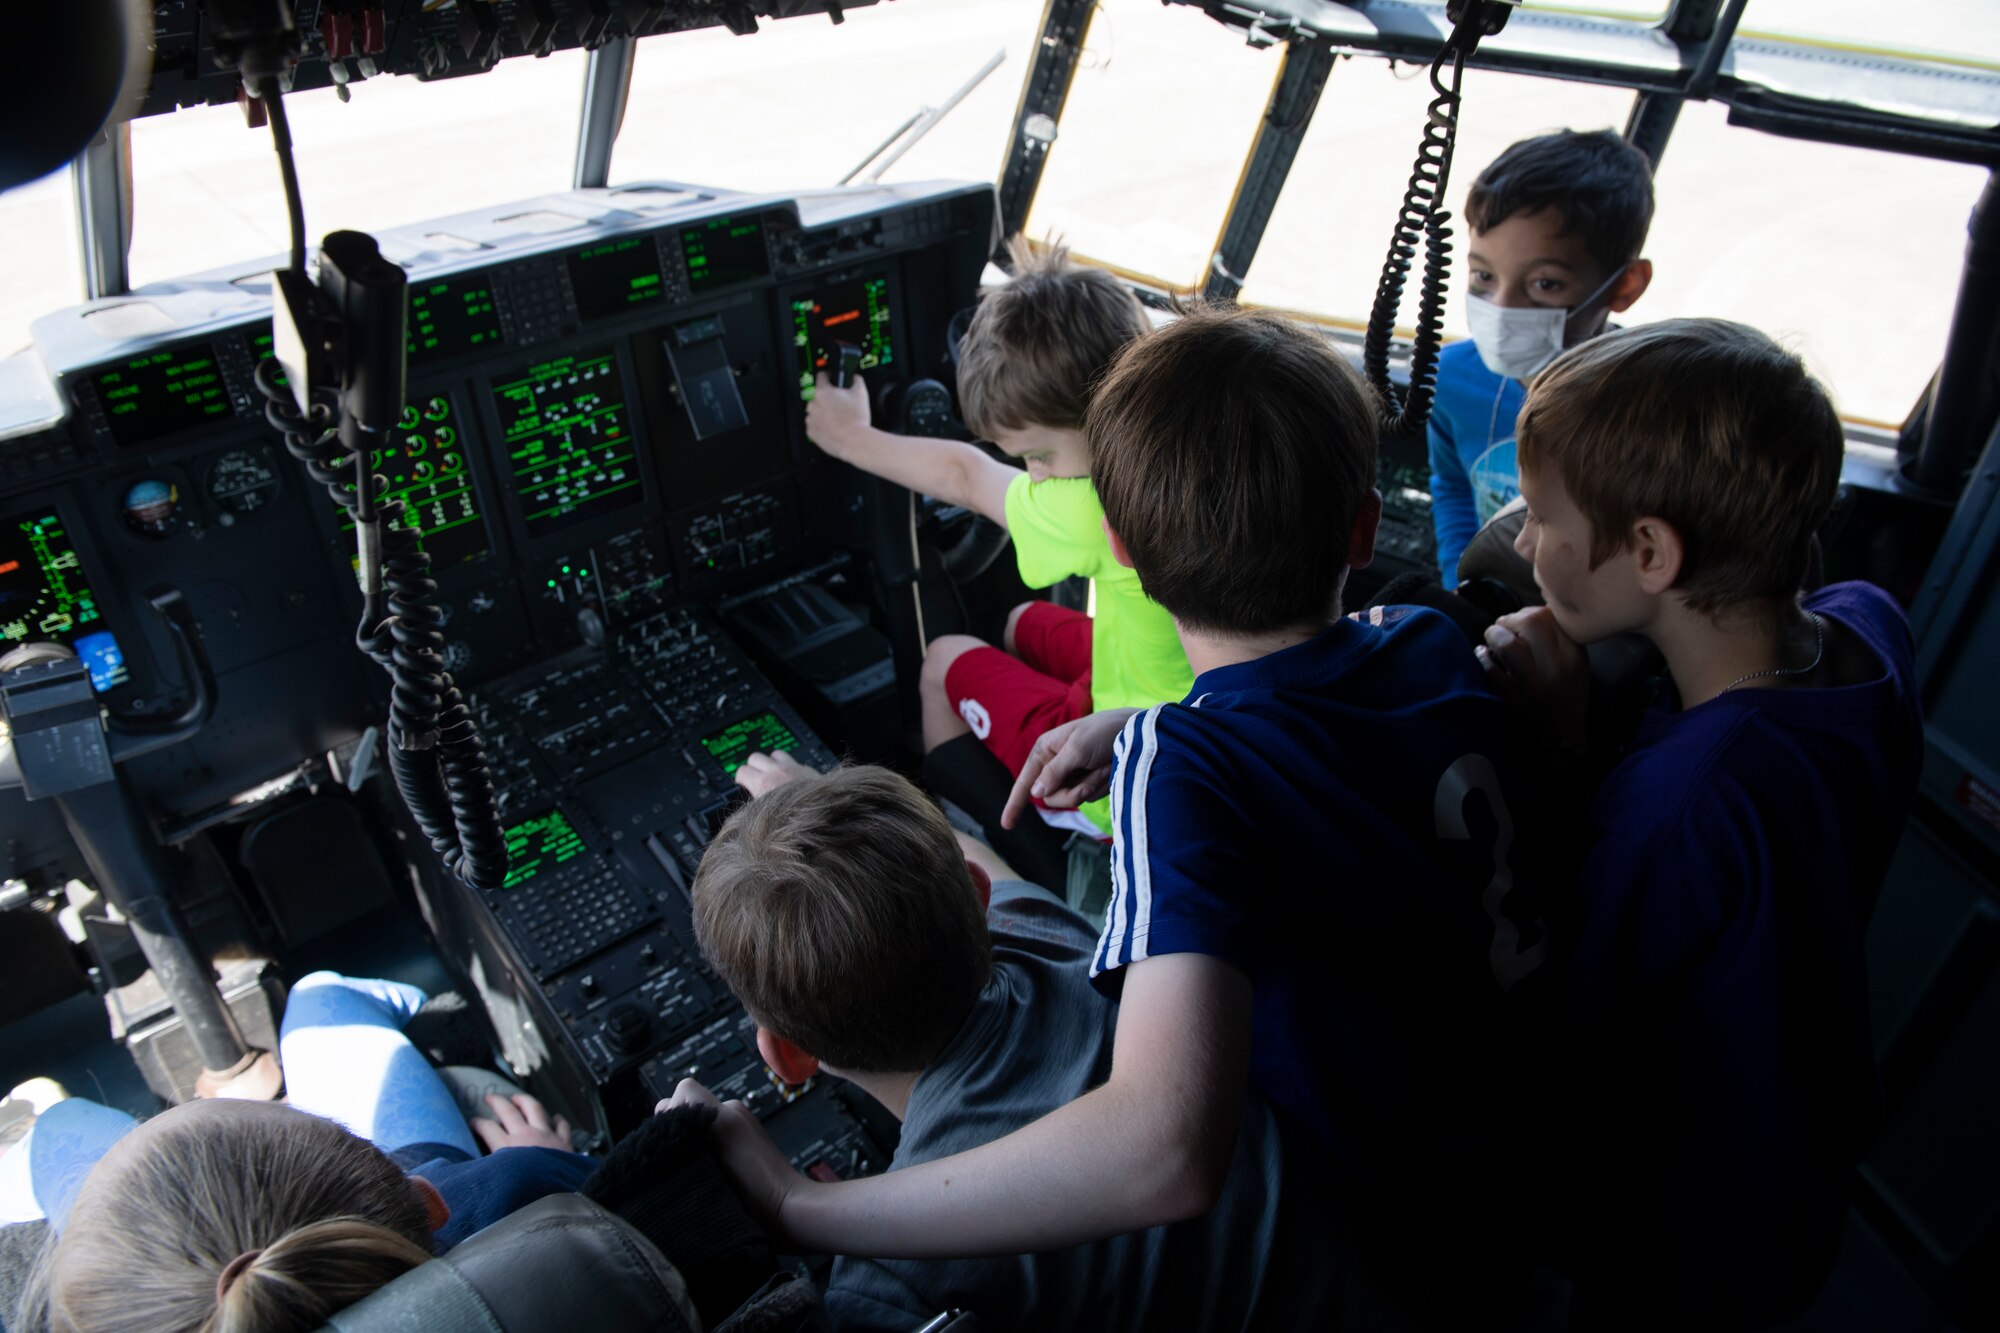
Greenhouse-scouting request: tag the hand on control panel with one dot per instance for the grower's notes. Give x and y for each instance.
(837, 417)
(761, 772)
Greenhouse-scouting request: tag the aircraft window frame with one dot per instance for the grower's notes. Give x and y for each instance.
(1131, 22)
(705, 78)
(1806, 23)
(1919, 111)
(205, 189)
(1362, 232)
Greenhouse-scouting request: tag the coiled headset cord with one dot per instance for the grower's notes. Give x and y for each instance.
(435, 751)
(1405, 411)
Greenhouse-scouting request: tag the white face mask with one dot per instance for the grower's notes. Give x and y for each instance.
(1517, 341)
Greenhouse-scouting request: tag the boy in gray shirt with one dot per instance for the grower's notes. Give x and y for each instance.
(846, 916)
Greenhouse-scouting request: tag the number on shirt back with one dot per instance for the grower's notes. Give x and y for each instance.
(1475, 773)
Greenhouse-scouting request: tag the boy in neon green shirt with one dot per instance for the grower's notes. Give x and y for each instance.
(1035, 347)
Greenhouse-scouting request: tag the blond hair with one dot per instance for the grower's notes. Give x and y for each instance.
(322, 1216)
(1706, 423)
(1037, 345)
(840, 911)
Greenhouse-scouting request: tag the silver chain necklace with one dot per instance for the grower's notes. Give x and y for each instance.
(1819, 653)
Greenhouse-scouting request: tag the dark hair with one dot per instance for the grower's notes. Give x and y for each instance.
(1232, 451)
(1705, 423)
(1037, 344)
(1600, 185)
(840, 912)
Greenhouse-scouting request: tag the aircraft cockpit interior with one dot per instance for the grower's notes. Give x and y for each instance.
(417, 604)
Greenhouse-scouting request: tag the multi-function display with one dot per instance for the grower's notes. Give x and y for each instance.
(614, 277)
(568, 440)
(45, 596)
(162, 393)
(723, 252)
(451, 316)
(856, 313)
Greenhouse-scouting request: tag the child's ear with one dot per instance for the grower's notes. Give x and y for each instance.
(437, 1211)
(1361, 539)
(1118, 551)
(1657, 554)
(982, 884)
(787, 1061)
(1631, 285)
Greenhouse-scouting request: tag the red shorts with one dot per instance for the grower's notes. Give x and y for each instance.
(1010, 701)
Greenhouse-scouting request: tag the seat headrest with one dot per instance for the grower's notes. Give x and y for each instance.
(1491, 555)
(559, 1264)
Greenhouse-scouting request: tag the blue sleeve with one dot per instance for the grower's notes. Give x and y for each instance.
(1180, 860)
(1453, 515)
(486, 1189)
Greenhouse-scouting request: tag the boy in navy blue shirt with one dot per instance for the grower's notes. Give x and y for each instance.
(1715, 992)
(1557, 225)
(1312, 860)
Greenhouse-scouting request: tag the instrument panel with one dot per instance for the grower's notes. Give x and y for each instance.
(601, 422)
(603, 448)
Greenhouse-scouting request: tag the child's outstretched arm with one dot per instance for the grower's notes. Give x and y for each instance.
(838, 421)
(1151, 1146)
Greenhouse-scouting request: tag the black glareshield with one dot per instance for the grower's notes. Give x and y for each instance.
(370, 297)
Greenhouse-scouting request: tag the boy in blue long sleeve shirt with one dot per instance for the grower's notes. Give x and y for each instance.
(1557, 225)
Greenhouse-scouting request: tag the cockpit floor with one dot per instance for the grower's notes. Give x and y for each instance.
(71, 1041)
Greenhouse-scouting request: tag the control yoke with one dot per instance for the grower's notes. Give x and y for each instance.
(63, 746)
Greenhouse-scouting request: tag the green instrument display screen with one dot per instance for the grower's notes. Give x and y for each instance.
(737, 742)
(539, 844)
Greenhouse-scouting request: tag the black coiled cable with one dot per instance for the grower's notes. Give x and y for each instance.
(435, 752)
(1405, 412)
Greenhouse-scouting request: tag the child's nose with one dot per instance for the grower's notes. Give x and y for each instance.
(1524, 542)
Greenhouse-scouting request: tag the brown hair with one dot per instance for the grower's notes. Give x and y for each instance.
(1232, 451)
(840, 911)
(1708, 424)
(1038, 344)
(328, 1217)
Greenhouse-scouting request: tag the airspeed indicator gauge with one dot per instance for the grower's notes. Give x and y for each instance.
(242, 481)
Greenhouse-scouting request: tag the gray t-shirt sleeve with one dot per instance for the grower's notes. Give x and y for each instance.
(863, 1294)
(1035, 921)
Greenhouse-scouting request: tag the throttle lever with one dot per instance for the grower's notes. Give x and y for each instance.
(846, 365)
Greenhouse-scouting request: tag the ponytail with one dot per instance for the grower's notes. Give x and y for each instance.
(308, 1274)
(248, 1218)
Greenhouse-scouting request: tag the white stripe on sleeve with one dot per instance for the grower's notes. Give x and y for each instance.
(1142, 893)
(1114, 911)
